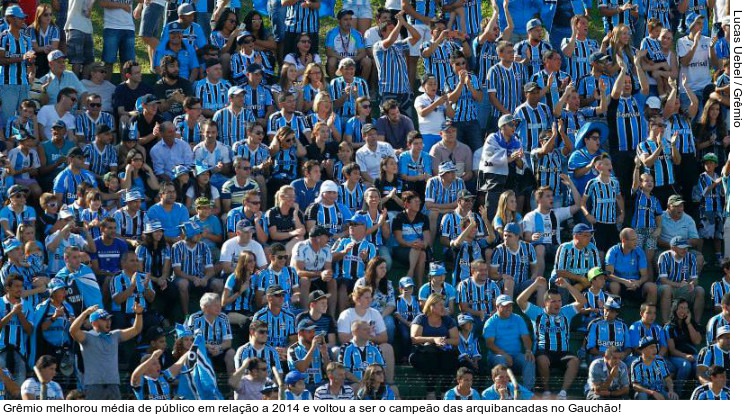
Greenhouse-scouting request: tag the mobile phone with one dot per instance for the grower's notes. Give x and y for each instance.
(242, 26)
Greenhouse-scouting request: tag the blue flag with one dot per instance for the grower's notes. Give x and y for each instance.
(198, 376)
(326, 7)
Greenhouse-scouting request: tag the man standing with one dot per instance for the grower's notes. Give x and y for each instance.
(696, 55)
(390, 58)
(505, 81)
(100, 350)
(118, 32)
(16, 53)
(509, 342)
(192, 265)
(233, 118)
(502, 160)
(106, 260)
(463, 90)
(15, 326)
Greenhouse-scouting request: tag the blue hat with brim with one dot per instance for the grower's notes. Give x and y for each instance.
(201, 169)
(513, 228)
(293, 377)
(178, 170)
(99, 314)
(55, 285)
(191, 229)
(15, 11)
(600, 127)
(11, 244)
(153, 226)
(405, 282)
(691, 18)
(582, 228)
(183, 331)
(133, 195)
(436, 269)
(463, 319)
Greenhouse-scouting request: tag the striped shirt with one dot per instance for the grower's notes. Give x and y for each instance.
(153, 263)
(232, 126)
(466, 107)
(66, 183)
(190, 134)
(212, 95)
(594, 301)
(267, 354)
(480, 297)
(11, 47)
(658, 9)
(438, 63)
(535, 63)
(603, 334)
(353, 199)
(472, 10)
(576, 261)
(675, 270)
(42, 39)
(448, 292)
(573, 121)
(602, 199)
(638, 330)
(577, 65)
(352, 266)
(718, 290)
(120, 283)
(27, 215)
(650, 376)
(454, 395)
(12, 334)
(514, 263)
(587, 85)
(451, 229)
(281, 326)
(331, 218)
(86, 126)
(551, 331)
(468, 346)
(337, 89)
(712, 201)
(548, 169)
(713, 355)
(627, 124)
(323, 393)
(426, 8)
(302, 19)
(534, 120)
(553, 94)
(663, 166)
(487, 58)
(239, 63)
(437, 192)
(645, 211)
(287, 278)
(465, 254)
(20, 159)
(154, 389)
(356, 358)
(392, 67)
(353, 128)
(192, 260)
(244, 302)
(680, 124)
(100, 161)
(705, 393)
(507, 84)
(258, 100)
(296, 121)
(215, 332)
(314, 371)
(611, 21)
(653, 47)
(713, 324)
(285, 164)
(408, 309)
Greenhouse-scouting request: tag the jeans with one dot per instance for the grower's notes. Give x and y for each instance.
(645, 397)
(18, 369)
(469, 133)
(12, 95)
(519, 362)
(278, 15)
(485, 110)
(389, 327)
(405, 340)
(118, 41)
(683, 370)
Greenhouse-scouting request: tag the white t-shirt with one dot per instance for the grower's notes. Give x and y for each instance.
(48, 116)
(698, 72)
(314, 261)
(75, 17)
(231, 250)
(369, 161)
(32, 386)
(372, 317)
(105, 90)
(118, 18)
(536, 222)
(430, 124)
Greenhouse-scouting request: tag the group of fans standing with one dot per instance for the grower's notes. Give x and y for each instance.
(254, 177)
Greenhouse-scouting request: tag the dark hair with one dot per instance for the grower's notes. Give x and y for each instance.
(45, 361)
(370, 276)
(277, 248)
(716, 370)
(66, 92)
(164, 184)
(549, 293)
(308, 166)
(127, 67)
(412, 136)
(248, 20)
(190, 101)
(674, 320)
(166, 61)
(254, 362)
(257, 324)
(456, 54)
(389, 105)
(409, 195)
(12, 277)
(220, 24)
(349, 168)
(462, 371)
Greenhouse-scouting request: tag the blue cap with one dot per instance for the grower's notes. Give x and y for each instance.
(582, 228)
(232, 91)
(15, 11)
(293, 377)
(183, 331)
(178, 170)
(200, 169)
(725, 329)
(464, 319)
(358, 219)
(436, 269)
(186, 9)
(600, 127)
(504, 300)
(613, 303)
(244, 35)
(11, 244)
(689, 20)
(513, 228)
(406, 282)
(306, 325)
(153, 226)
(191, 229)
(269, 387)
(647, 341)
(599, 57)
(55, 285)
(679, 242)
(244, 225)
(343, 12)
(174, 27)
(99, 314)
(533, 23)
(447, 124)
(132, 195)
(447, 167)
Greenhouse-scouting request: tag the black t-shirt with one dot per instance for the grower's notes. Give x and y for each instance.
(385, 187)
(329, 153)
(281, 222)
(163, 91)
(145, 128)
(127, 98)
(325, 323)
(412, 230)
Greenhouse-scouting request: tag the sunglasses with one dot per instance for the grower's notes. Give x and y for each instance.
(262, 331)
(52, 204)
(282, 257)
(366, 106)
(258, 202)
(246, 168)
(94, 105)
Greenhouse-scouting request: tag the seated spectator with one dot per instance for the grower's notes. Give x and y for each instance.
(393, 126)
(313, 260)
(280, 321)
(256, 347)
(345, 41)
(412, 236)
(168, 212)
(626, 264)
(464, 390)
(176, 44)
(278, 273)
(100, 85)
(86, 124)
(505, 386)
(509, 342)
(42, 387)
(215, 327)
(335, 389)
(683, 336)
(249, 379)
(193, 270)
(169, 151)
(608, 377)
(58, 79)
(649, 374)
(716, 389)
(716, 354)
(50, 114)
(678, 278)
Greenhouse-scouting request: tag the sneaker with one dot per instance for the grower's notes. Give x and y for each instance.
(547, 394)
(562, 395)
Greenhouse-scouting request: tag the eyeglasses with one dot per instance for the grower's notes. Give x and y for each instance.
(304, 41)
(256, 202)
(195, 108)
(138, 159)
(282, 257)
(245, 167)
(94, 105)
(259, 132)
(594, 137)
(366, 106)
(52, 204)
(262, 331)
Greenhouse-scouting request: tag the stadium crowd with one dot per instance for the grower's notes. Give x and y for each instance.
(536, 206)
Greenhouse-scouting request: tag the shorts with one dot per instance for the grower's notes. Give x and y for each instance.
(151, 25)
(605, 236)
(79, 47)
(558, 359)
(550, 250)
(118, 42)
(361, 11)
(425, 33)
(680, 293)
(711, 225)
(646, 240)
(318, 284)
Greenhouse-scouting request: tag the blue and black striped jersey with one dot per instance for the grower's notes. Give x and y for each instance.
(86, 125)
(645, 211)
(514, 263)
(466, 107)
(216, 332)
(438, 63)
(258, 100)
(553, 95)
(314, 371)
(356, 359)
(677, 270)
(480, 297)
(507, 84)
(192, 260)
(337, 89)
(627, 124)
(533, 121)
(552, 331)
(302, 19)
(602, 199)
(663, 166)
(650, 376)
(577, 65)
(603, 334)
(267, 353)
(14, 74)
(352, 266)
(287, 278)
(213, 95)
(533, 54)
(714, 355)
(281, 326)
(392, 67)
(705, 393)
(232, 126)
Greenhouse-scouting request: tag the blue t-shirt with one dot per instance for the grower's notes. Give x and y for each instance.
(628, 266)
(170, 220)
(506, 332)
(304, 196)
(109, 256)
(491, 394)
(429, 331)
